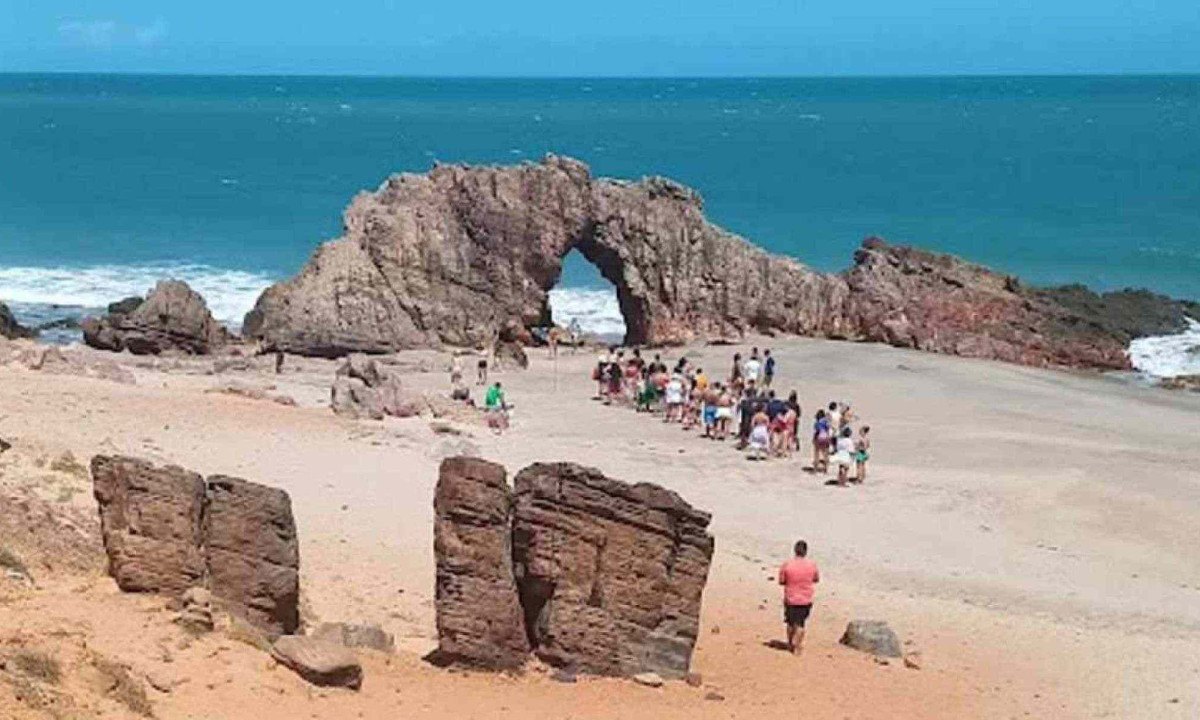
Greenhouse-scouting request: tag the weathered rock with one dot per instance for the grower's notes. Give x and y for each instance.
(648, 679)
(10, 328)
(150, 519)
(350, 635)
(938, 303)
(1181, 382)
(252, 552)
(173, 318)
(457, 254)
(196, 615)
(167, 531)
(479, 616)
(872, 636)
(55, 360)
(321, 663)
(465, 255)
(125, 306)
(610, 574)
(363, 389)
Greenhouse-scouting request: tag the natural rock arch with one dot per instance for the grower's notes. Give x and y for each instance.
(457, 254)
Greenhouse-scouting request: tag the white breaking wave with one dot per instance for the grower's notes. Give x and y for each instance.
(230, 293)
(596, 310)
(1167, 356)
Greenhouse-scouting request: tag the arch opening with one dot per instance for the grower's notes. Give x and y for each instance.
(585, 299)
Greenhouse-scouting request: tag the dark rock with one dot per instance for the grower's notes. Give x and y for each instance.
(564, 675)
(611, 575)
(694, 679)
(479, 616)
(1181, 382)
(1127, 314)
(126, 306)
(173, 318)
(324, 664)
(253, 553)
(150, 520)
(872, 636)
(10, 328)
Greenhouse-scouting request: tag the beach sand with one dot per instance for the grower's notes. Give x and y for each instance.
(1030, 534)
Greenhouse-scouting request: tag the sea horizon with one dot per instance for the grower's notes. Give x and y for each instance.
(231, 181)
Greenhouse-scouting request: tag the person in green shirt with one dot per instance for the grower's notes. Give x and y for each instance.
(497, 408)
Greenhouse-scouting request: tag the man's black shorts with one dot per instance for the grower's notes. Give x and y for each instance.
(796, 614)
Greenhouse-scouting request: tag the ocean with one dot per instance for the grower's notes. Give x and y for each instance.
(110, 182)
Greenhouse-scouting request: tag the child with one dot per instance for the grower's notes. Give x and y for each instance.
(862, 453)
(844, 455)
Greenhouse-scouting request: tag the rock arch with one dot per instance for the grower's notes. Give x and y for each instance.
(455, 255)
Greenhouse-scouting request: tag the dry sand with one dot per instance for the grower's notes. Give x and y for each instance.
(1032, 534)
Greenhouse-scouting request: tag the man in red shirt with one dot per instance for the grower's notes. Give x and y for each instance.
(797, 576)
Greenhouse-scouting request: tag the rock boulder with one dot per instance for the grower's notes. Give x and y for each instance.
(166, 530)
(872, 636)
(321, 663)
(10, 328)
(173, 318)
(479, 616)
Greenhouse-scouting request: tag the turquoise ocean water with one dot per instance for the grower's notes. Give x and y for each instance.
(108, 182)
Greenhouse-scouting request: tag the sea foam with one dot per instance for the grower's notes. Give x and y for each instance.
(597, 311)
(1167, 356)
(230, 293)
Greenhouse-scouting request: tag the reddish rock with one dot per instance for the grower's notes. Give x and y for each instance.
(173, 318)
(150, 519)
(165, 531)
(321, 663)
(611, 575)
(913, 298)
(479, 617)
(253, 553)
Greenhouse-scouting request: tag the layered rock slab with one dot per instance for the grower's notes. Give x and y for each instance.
(611, 575)
(166, 530)
(479, 617)
(173, 317)
(150, 520)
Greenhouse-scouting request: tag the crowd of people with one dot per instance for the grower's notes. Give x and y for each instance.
(742, 406)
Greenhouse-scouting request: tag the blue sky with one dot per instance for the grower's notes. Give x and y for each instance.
(610, 37)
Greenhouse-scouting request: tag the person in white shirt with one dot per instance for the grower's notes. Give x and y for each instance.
(752, 369)
(844, 456)
(674, 398)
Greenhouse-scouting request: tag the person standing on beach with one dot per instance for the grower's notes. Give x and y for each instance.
(822, 437)
(798, 576)
(497, 408)
(768, 369)
(481, 368)
(862, 453)
(753, 368)
(843, 456)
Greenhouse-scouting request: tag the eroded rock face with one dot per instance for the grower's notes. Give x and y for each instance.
(913, 298)
(253, 553)
(592, 574)
(611, 575)
(454, 255)
(166, 530)
(479, 616)
(173, 318)
(150, 519)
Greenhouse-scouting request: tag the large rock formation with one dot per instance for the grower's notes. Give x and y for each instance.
(173, 317)
(462, 254)
(479, 616)
(611, 575)
(166, 530)
(453, 255)
(939, 303)
(592, 574)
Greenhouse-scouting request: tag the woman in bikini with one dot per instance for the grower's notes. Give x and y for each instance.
(822, 437)
(862, 453)
(760, 434)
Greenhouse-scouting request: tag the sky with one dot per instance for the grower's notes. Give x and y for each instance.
(605, 38)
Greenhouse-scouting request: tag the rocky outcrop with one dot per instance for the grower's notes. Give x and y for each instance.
(172, 318)
(10, 328)
(611, 575)
(873, 637)
(454, 255)
(589, 573)
(927, 301)
(365, 389)
(252, 552)
(462, 255)
(55, 360)
(479, 616)
(150, 521)
(166, 530)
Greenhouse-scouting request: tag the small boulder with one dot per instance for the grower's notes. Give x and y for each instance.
(173, 318)
(648, 679)
(872, 636)
(10, 328)
(348, 635)
(319, 662)
(196, 616)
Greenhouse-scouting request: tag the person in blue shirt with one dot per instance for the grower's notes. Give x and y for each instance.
(768, 369)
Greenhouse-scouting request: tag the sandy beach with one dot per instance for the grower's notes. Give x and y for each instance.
(1028, 533)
